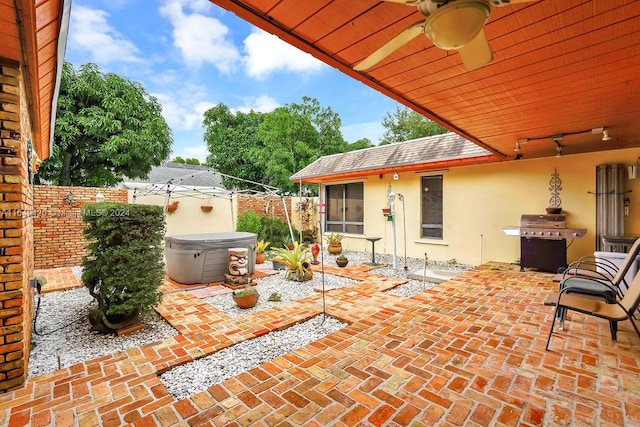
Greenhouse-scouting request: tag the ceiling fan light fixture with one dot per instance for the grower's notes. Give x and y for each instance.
(457, 23)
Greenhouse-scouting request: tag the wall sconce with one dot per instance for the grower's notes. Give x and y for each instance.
(605, 135)
(99, 198)
(396, 176)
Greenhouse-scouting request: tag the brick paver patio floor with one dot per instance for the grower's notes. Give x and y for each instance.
(469, 352)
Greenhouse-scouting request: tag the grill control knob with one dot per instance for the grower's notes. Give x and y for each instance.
(558, 233)
(523, 233)
(540, 233)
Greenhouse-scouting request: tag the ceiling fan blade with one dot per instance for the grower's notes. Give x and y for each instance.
(477, 52)
(391, 46)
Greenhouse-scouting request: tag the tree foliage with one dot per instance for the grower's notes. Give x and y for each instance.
(404, 124)
(187, 161)
(231, 138)
(270, 147)
(106, 127)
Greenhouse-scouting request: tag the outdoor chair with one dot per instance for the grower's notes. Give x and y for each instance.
(599, 268)
(621, 309)
(611, 283)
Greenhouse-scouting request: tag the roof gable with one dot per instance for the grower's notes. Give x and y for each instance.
(416, 153)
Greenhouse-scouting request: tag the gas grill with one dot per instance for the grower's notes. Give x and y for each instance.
(543, 241)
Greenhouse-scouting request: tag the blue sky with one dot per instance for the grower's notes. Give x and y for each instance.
(192, 55)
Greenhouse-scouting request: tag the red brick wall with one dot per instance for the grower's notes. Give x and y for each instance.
(16, 229)
(58, 225)
(263, 205)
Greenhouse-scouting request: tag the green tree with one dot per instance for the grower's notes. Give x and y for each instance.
(268, 148)
(359, 144)
(231, 138)
(179, 159)
(106, 127)
(326, 122)
(404, 125)
(192, 161)
(290, 144)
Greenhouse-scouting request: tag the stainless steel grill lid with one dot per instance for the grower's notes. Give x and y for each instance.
(543, 221)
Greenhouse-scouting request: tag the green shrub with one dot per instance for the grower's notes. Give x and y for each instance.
(123, 268)
(275, 231)
(250, 222)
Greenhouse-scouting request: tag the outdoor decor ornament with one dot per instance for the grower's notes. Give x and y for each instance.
(315, 251)
(237, 267)
(555, 185)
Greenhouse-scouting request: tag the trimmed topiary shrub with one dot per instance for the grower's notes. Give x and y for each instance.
(123, 268)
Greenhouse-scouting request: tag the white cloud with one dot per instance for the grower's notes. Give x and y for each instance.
(266, 54)
(184, 107)
(91, 32)
(261, 104)
(200, 38)
(371, 130)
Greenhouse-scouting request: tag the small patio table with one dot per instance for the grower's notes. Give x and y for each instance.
(373, 241)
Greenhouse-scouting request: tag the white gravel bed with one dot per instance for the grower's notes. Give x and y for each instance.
(289, 291)
(185, 380)
(66, 336)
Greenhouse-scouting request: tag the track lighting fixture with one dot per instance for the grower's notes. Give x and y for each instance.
(560, 136)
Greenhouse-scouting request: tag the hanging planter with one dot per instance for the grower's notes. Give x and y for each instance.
(386, 211)
(206, 208)
(172, 207)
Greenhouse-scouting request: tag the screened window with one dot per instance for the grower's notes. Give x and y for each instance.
(345, 208)
(432, 207)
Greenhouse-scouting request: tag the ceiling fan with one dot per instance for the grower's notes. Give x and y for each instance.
(450, 25)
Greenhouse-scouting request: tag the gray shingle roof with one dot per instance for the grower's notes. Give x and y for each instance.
(182, 174)
(437, 148)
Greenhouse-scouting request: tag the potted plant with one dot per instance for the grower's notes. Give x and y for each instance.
(296, 261)
(335, 243)
(246, 297)
(261, 247)
(342, 260)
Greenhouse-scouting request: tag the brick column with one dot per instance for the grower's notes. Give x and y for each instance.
(16, 228)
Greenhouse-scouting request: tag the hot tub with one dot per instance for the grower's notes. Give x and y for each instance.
(202, 258)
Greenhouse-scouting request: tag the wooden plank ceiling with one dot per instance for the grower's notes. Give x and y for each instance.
(559, 67)
(29, 34)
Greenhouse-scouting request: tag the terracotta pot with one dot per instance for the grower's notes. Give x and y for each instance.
(206, 208)
(246, 301)
(342, 262)
(334, 249)
(260, 256)
(386, 211)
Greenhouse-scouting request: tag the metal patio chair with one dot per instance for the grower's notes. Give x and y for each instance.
(621, 309)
